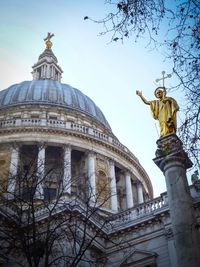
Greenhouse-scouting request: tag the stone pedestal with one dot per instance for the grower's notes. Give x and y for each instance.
(174, 161)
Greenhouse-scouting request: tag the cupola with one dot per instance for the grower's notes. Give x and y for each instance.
(47, 68)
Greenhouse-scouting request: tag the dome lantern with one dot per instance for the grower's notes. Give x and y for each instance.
(47, 68)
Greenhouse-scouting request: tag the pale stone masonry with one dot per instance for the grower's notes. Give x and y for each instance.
(56, 127)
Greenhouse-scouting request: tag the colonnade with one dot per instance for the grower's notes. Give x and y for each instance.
(67, 177)
(47, 71)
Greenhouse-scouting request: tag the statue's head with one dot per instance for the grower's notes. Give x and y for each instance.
(160, 92)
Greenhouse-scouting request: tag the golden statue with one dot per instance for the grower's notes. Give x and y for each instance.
(164, 110)
(48, 40)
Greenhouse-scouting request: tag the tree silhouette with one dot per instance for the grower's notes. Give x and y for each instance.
(46, 228)
(174, 26)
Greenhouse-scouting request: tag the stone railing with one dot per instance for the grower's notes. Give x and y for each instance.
(109, 223)
(54, 123)
(74, 204)
(139, 212)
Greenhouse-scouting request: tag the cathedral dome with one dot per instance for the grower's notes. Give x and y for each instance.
(53, 93)
(49, 125)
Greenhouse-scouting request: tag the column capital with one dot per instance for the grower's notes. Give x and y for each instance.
(111, 161)
(16, 146)
(41, 145)
(67, 147)
(127, 172)
(170, 150)
(138, 182)
(91, 153)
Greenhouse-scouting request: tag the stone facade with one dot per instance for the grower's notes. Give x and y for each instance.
(70, 148)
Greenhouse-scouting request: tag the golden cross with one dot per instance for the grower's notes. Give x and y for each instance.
(48, 41)
(164, 77)
(49, 36)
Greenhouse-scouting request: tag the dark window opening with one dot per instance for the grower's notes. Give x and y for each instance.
(28, 193)
(50, 193)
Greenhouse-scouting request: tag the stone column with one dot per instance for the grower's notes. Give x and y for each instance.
(171, 247)
(129, 192)
(67, 170)
(173, 161)
(39, 193)
(91, 176)
(48, 71)
(42, 71)
(113, 186)
(13, 172)
(140, 193)
(53, 72)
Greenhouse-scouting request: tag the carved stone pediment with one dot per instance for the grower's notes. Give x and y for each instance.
(139, 258)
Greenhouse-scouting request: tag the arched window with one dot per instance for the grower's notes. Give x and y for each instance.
(103, 189)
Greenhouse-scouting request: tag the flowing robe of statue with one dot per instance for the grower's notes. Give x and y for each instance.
(163, 109)
(165, 112)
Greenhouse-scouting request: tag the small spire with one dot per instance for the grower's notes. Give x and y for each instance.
(47, 67)
(47, 40)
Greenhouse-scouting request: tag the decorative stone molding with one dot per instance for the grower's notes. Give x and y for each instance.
(168, 147)
(168, 232)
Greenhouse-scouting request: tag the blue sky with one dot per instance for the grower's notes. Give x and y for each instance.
(109, 73)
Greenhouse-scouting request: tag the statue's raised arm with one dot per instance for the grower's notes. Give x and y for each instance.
(164, 110)
(139, 93)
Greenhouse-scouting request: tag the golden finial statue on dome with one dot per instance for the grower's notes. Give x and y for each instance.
(48, 40)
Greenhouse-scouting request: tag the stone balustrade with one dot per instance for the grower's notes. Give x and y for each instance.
(110, 223)
(139, 212)
(75, 205)
(53, 123)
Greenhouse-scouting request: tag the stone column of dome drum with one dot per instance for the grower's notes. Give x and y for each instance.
(39, 194)
(42, 71)
(13, 171)
(140, 193)
(129, 192)
(52, 71)
(91, 176)
(67, 170)
(48, 73)
(113, 186)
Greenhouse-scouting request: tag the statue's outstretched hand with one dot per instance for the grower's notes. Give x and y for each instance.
(139, 93)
